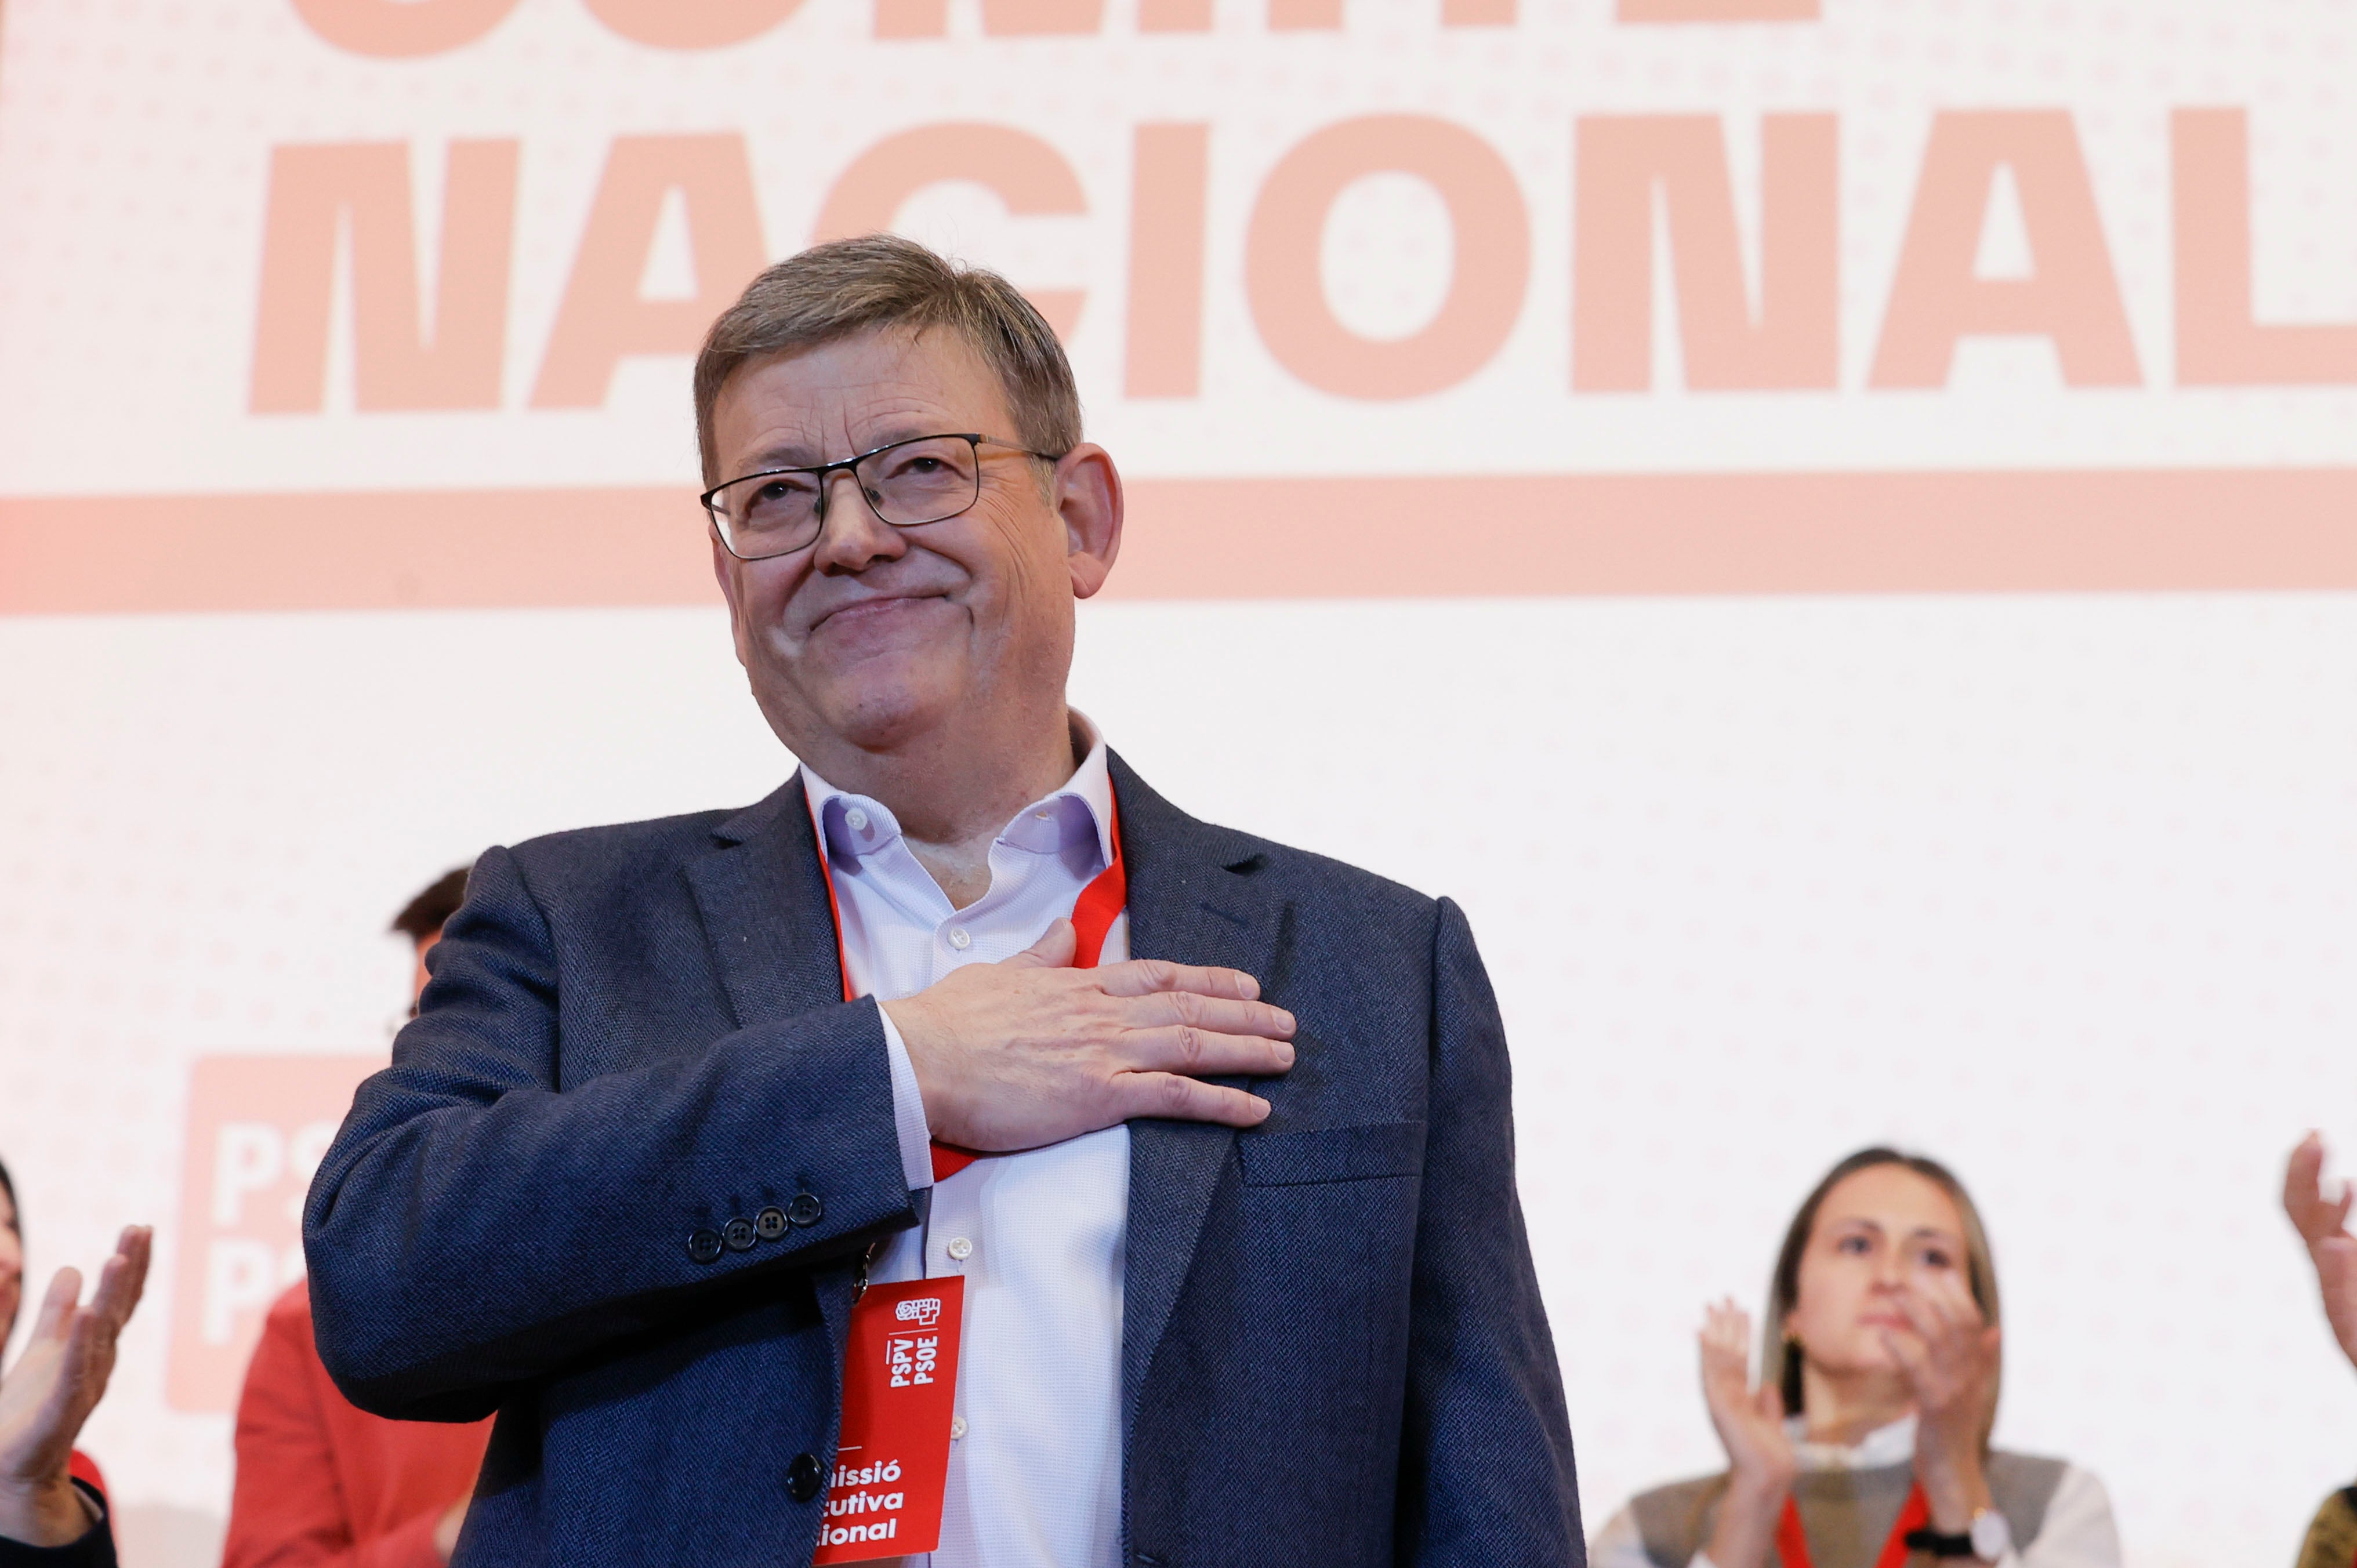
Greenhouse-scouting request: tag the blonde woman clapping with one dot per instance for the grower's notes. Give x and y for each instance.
(1867, 1445)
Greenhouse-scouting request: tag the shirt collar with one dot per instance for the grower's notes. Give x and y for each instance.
(857, 825)
(1886, 1446)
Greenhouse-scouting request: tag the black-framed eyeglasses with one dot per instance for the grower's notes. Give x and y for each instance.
(926, 478)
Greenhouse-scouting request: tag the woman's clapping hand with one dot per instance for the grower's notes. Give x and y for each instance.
(52, 1389)
(1760, 1459)
(1750, 1420)
(1948, 1355)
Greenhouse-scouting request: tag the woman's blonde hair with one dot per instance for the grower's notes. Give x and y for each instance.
(1780, 1353)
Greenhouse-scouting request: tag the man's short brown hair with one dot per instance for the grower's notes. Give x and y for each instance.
(425, 915)
(849, 286)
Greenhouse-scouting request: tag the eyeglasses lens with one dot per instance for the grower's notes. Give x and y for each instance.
(913, 483)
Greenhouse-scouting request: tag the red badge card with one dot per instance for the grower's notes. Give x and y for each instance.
(899, 1392)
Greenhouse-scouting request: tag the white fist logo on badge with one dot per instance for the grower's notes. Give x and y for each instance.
(910, 1359)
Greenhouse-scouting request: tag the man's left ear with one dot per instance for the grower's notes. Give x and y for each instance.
(1088, 503)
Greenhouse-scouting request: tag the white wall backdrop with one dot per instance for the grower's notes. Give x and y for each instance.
(2056, 888)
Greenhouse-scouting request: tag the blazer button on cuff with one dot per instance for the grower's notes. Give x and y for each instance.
(704, 1246)
(807, 1209)
(770, 1223)
(802, 1478)
(739, 1234)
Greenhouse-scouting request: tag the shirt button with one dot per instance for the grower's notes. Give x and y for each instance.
(957, 1427)
(855, 819)
(1041, 815)
(960, 1248)
(960, 938)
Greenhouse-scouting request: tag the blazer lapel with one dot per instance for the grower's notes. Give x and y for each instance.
(770, 928)
(767, 920)
(762, 897)
(1188, 904)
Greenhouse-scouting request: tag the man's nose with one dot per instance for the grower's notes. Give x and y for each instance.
(851, 537)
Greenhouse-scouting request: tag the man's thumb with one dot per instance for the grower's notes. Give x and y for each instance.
(1054, 949)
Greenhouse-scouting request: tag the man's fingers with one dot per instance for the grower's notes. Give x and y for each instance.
(1144, 976)
(1217, 1014)
(1054, 949)
(1173, 1098)
(1207, 1053)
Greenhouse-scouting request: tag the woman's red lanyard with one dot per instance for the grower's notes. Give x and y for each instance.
(1094, 913)
(1792, 1541)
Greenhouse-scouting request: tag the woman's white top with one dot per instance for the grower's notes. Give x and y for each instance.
(2078, 1531)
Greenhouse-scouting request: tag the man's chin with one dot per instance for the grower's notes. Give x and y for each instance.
(877, 707)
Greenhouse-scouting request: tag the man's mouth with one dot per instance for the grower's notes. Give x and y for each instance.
(862, 609)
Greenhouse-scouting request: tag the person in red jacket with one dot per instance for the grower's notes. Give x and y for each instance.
(320, 1483)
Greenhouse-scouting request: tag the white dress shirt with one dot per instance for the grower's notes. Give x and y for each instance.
(2078, 1531)
(1039, 1237)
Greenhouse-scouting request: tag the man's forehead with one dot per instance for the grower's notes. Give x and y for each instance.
(867, 389)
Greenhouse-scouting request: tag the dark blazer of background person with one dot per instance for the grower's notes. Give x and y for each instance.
(619, 1184)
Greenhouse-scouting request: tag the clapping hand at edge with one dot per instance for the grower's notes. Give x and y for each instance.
(2323, 1224)
(52, 1389)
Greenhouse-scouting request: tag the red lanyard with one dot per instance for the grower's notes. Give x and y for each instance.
(1792, 1541)
(1094, 913)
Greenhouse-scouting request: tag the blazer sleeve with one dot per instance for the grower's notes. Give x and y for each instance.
(1485, 1457)
(471, 1227)
(94, 1548)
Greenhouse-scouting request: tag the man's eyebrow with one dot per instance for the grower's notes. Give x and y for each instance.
(787, 456)
(794, 454)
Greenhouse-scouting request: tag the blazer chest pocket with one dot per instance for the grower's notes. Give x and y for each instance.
(1332, 1154)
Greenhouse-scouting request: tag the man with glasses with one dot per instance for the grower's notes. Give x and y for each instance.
(1214, 1134)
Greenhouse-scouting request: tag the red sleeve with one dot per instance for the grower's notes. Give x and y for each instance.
(288, 1508)
(82, 1467)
